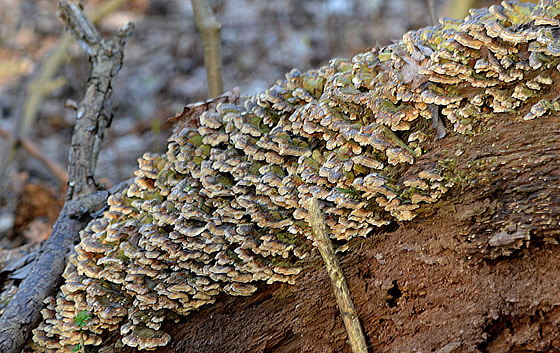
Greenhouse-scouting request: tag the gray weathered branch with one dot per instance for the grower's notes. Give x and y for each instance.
(83, 195)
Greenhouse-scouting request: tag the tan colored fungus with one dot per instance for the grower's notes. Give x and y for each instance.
(225, 207)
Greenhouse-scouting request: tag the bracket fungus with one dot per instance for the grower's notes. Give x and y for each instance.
(224, 208)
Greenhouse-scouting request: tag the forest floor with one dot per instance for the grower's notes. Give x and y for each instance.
(390, 275)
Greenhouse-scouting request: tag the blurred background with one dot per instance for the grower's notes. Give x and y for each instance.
(163, 71)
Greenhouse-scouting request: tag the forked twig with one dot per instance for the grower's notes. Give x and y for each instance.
(83, 196)
(42, 83)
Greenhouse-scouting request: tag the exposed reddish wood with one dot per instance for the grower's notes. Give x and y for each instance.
(429, 284)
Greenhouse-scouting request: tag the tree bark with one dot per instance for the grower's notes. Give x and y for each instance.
(476, 271)
(23, 311)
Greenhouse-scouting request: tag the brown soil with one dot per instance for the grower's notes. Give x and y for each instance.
(37, 205)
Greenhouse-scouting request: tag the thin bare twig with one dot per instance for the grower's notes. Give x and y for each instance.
(459, 8)
(36, 91)
(58, 171)
(341, 291)
(209, 28)
(43, 83)
(83, 196)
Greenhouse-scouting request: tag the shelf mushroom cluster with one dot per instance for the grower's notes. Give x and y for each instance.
(225, 207)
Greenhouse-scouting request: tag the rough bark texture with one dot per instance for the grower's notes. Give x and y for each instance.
(83, 196)
(414, 286)
(23, 312)
(427, 284)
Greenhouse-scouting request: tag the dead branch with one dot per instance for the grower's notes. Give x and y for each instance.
(94, 112)
(36, 89)
(341, 291)
(209, 28)
(83, 196)
(43, 84)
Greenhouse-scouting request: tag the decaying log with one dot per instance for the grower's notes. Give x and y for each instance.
(439, 282)
(460, 228)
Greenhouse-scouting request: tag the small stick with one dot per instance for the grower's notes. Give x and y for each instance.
(341, 291)
(459, 8)
(58, 171)
(209, 28)
(43, 83)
